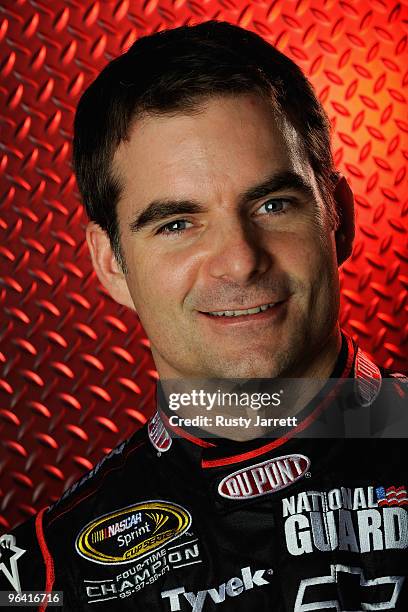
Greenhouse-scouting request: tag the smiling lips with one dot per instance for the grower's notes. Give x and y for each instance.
(242, 312)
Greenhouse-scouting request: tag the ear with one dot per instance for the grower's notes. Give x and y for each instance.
(344, 201)
(106, 266)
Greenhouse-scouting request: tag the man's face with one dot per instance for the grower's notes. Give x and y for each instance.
(220, 213)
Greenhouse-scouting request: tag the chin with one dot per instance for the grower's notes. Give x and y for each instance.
(251, 367)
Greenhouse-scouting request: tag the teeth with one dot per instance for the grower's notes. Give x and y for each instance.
(240, 313)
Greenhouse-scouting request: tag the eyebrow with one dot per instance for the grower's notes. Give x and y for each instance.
(159, 210)
(282, 180)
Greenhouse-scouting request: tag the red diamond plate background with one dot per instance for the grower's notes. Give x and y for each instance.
(77, 375)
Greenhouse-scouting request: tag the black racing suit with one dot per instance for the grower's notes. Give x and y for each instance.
(185, 523)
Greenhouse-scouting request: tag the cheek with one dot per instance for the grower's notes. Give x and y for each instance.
(160, 279)
(309, 260)
(302, 256)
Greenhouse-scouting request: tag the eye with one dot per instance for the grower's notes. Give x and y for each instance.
(275, 206)
(174, 227)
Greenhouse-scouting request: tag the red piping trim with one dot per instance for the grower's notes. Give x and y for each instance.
(209, 463)
(48, 560)
(184, 434)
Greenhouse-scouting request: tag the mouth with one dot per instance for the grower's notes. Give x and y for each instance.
(254, 319)
(241, 312)
(264, 315)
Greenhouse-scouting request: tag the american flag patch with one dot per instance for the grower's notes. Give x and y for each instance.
(393, 496)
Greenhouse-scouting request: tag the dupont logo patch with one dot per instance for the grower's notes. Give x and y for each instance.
(263, 478)
(132, 532)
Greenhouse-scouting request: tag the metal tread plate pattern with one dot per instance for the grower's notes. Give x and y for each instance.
(76, 372)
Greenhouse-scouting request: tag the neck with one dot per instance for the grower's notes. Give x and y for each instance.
(320, 363)
(294, 390)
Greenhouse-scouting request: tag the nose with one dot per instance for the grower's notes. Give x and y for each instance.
(237, 253)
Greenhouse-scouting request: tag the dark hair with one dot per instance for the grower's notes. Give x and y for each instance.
(172, 71)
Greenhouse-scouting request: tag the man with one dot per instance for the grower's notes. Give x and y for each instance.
(203, 159)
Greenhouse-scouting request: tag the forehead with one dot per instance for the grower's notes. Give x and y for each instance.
(227, 143)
